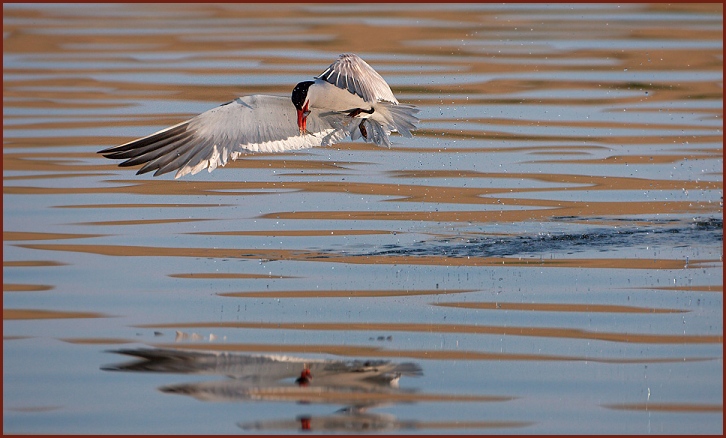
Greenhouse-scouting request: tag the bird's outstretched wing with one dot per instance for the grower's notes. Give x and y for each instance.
(256, 123)
(351, 73)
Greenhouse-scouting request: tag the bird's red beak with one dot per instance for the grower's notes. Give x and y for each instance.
(302, 117)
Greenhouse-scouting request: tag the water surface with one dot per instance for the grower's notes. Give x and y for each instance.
(544, 256)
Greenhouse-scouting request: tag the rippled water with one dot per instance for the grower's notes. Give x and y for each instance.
(544, 256)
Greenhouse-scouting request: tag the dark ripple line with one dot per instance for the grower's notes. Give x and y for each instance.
(706, 231)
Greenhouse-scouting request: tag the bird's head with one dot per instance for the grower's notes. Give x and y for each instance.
(301, 102)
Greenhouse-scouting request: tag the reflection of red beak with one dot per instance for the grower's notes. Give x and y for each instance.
(305, 377)
(302, 118)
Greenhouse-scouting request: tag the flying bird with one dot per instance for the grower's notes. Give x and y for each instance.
(349, 99)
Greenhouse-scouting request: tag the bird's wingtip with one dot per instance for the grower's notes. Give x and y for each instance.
(106, 151)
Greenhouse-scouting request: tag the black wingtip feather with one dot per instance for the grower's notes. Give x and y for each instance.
(115, 151)
(153, 150)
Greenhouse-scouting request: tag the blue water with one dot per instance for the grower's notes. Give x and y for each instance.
(568, 155)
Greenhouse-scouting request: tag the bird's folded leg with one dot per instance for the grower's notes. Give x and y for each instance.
(356, 112)
(363, 130)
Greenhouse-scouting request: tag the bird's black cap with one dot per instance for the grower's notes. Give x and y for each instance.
(300, 93)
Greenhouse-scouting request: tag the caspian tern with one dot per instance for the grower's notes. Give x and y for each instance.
(348, 99)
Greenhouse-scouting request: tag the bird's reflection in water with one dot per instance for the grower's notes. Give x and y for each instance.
(357, 385)
(349, 419)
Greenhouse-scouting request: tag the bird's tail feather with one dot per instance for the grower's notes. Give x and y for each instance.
(389, 117)
(375, 132)
(399, 117)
